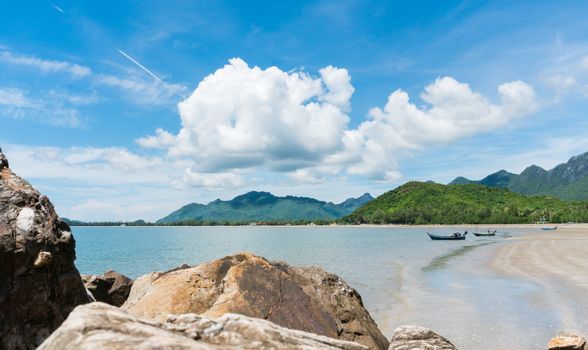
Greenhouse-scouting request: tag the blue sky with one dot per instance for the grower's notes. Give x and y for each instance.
(328, 99)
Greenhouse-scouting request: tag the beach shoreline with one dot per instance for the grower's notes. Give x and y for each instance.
(555, 261)
(383, 226)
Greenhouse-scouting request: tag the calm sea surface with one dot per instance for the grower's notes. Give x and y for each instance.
(403, 276)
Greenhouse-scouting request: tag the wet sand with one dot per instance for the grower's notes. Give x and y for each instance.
(562, 254)
(557, 261)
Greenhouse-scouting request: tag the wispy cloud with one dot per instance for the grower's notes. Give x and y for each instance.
(123, 182)
(15, 104)
(143, 91)
(76, 99)
(214, 181)
(13, 97)
(47, 66)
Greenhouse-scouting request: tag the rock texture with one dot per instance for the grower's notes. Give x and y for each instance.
(39, 284)
(567, 342)
(111, 287)
(418, 338)
(308, 299)
(99, 326)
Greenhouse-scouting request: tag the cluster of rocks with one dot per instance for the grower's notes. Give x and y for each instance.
(237, 302)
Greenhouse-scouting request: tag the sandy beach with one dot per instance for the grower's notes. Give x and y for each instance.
(557, 262)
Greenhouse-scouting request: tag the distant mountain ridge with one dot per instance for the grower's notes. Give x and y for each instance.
(263, 206)
(567, 181)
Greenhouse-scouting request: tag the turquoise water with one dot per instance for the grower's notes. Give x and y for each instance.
(403, 276)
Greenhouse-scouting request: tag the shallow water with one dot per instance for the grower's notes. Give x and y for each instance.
(402, 276)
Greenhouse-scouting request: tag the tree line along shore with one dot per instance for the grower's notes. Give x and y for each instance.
(414, 203)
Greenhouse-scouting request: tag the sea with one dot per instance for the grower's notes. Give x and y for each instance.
(402, 275)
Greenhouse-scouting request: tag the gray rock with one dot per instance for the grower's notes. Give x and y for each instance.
(39, 283)
(111, 287)
(99, 326)
(418, 338)
(567, 342)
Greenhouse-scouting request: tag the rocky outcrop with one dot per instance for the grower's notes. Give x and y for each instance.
(111, 287)
(100, 326)
(39, 284)
(418, 338)
(567, 342)
(307, 299)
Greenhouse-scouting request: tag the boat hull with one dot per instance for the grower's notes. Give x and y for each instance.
(446, 238)
(479, 234)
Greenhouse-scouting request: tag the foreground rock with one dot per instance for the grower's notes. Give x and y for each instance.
(307, 299)
(418, 338)
(567, 342)
(99, 326)
(111, 287)
(39, 284)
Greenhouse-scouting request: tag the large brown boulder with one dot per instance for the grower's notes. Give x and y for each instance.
(99, 326)
(111, 287)
(308, 299)
(39, 283)
(418, 338)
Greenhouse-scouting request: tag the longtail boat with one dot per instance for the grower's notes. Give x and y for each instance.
(458, 236)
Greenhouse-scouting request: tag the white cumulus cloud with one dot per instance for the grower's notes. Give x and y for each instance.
(243, 117)
(452, 111)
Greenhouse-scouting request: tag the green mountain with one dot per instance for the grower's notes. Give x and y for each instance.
(351, 204)
(568, 181)
(431, 203)
(264, 206)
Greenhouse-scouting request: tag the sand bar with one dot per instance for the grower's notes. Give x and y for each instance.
(557, 261)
